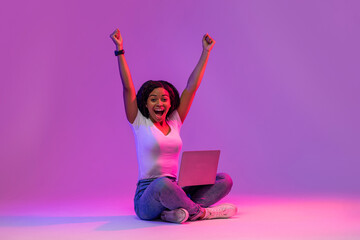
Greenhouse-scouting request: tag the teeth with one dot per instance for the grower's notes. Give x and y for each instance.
(159, 112)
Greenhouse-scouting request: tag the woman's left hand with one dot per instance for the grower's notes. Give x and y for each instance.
(208, 42)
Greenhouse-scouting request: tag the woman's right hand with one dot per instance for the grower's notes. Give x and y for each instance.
(117, 39)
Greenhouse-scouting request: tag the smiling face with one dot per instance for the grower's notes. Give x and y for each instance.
(158, 104)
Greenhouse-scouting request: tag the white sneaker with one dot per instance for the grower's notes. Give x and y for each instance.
(225, 210)
(179, 215)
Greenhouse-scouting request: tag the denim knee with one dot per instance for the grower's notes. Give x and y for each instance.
(148, 206)
(226, 179)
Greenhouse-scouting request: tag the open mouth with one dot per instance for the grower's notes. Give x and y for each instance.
(159, 113)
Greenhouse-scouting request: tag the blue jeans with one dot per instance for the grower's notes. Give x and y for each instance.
(156, 195)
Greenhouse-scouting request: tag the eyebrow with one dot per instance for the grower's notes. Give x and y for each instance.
(161, 95)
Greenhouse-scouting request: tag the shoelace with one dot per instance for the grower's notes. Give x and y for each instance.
(217, 212)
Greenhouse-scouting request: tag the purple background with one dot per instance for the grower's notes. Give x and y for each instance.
(280, 95)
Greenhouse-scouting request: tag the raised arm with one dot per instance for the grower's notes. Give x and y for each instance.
(129, 93)
(195, 78)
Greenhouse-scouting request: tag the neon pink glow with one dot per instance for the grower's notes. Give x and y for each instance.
(279, 97)
(258, 218)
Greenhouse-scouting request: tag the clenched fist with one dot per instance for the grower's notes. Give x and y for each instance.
(208, 42)
(117, 39)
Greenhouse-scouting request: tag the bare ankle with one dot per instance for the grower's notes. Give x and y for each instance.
(203, 214)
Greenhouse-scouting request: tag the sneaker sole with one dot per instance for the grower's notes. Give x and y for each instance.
(168, 216)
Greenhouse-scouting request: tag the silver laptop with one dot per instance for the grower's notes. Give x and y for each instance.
(198, 168)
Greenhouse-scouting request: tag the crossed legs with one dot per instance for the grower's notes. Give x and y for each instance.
(165, 194)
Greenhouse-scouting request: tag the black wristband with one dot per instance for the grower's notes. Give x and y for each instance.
(117, 53)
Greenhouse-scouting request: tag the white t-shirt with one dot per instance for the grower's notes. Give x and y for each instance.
(157, 154)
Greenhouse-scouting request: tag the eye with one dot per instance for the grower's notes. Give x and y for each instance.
(153, 100)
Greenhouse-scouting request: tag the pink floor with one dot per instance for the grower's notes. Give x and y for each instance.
(289, 218)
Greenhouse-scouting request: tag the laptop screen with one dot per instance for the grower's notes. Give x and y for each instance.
(198, 167)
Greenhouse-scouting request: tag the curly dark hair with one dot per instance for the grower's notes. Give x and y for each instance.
(145, 90)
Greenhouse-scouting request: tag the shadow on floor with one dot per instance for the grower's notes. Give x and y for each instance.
(114, 223)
